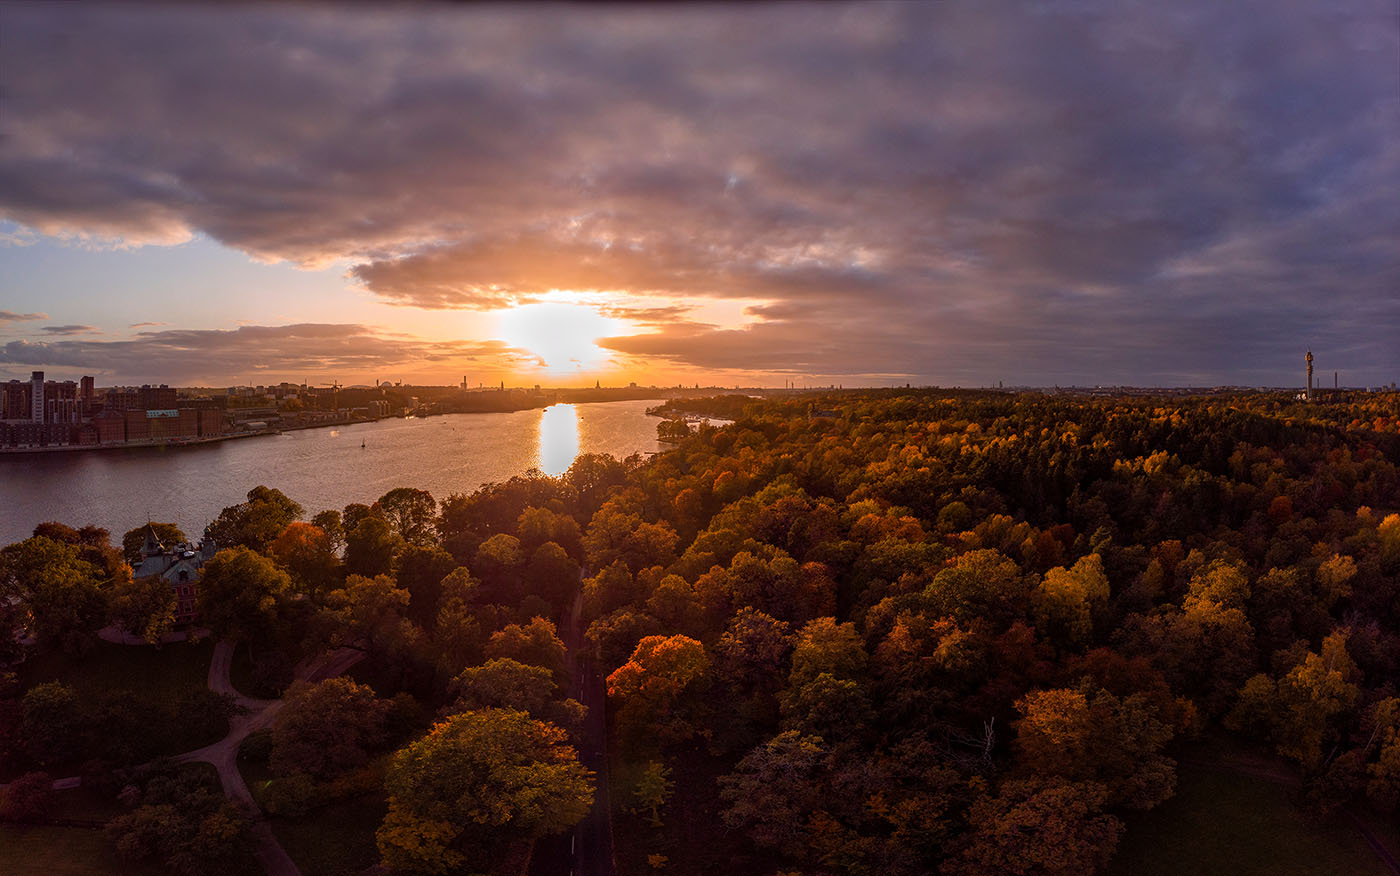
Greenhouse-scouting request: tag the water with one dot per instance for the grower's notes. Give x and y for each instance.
(319, 468)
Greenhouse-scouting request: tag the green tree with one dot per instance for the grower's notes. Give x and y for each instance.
(255, 523)
(504, 683)
(144, 607)
(371, 611)
(243, 595)
(419, 569)
(371, 546)
(552, 575)
(539, 525)
(834, 709)
(66, 599)
(53, 725)
(654, 787)
(411, 513)
(326, 728)
(187, 826)
(478, 780)
(333, 526)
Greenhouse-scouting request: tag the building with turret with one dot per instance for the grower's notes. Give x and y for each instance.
(178, 565)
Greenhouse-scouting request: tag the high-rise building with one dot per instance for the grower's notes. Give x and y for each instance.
(87, 394)
(36, 396)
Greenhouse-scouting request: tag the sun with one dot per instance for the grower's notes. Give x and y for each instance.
(561, 333)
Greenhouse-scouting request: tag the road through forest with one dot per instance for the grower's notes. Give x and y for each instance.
(587, 850)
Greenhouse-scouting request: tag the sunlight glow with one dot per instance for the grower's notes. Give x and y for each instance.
(561, 333)
(558, 439)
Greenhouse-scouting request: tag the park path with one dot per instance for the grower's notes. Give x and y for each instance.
(257, 715)
(223, 755)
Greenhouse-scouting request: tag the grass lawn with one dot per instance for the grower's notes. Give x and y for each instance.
(1233, 825)
(163, 673)
(44, 850)
(335, 840)
(240, 670)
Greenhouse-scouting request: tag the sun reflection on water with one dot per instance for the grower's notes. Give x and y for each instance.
(558, 439)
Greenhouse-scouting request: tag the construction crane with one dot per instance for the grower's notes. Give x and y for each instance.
(335, 394)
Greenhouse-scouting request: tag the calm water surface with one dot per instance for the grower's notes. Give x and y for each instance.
(319, 468)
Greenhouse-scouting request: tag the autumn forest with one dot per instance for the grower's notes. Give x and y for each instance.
(867, 632)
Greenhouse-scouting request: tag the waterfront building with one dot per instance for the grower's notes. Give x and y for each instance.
(179, 566)
(14, 400)
(61, 404)
(36, 396)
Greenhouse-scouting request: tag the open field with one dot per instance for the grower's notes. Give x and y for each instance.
(163, 673)
(1223, 823)
(46, 850)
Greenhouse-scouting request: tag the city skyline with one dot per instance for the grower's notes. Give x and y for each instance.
(864, 195)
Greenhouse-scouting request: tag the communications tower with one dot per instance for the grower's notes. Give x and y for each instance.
(1310, 361)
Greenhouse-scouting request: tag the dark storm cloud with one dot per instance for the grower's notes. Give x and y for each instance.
(956, 192)
(250, 349)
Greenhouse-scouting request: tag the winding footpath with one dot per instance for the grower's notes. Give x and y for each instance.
(257, 714)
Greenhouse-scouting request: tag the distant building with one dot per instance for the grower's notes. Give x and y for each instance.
(178, 565)
(36, 396)
(14, 400)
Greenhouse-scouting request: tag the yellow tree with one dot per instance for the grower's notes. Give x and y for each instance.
(1313, 692)
(478, 782)
(1067, 599)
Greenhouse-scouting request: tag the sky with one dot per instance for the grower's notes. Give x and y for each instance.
(957, 193)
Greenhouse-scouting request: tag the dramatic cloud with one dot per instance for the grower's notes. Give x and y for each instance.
(1064, 192)
(278, 352)
(9, 316)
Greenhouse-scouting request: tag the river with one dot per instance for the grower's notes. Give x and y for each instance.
(319, 468)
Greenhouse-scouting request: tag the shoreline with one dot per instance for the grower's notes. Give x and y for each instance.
(138, 445)
(215, 439)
